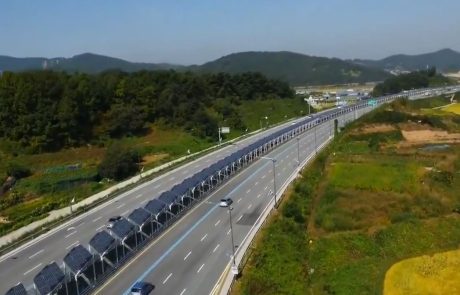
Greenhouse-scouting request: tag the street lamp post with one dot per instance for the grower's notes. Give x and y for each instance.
(316, 146)
(260, 121)
(234, 267)
(298, 151)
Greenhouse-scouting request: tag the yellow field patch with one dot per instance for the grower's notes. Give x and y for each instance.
(437, 274)
(453, 108)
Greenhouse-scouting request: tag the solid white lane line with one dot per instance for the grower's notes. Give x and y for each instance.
(71, 245)
(120, 206)
(239, 200)
(215, 249)
(124, 213)
(228, 232)
(72, 233)
(37, 253)
(188, 254)
(183, 291)
(258, 196)
(138, 196)
(96, 219)
(32, 269)
(204, 237)
(201, 267)
(217, 223)
(249, 207)
(167, 278)
(239, 218)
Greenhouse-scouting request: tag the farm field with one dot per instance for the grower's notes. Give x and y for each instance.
(376, 196)
(437, 273)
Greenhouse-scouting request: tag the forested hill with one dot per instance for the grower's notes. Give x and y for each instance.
(444, 60)
(86, 63)
(46, 110)
(295, 68)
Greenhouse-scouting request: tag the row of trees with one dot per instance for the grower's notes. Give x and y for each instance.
(413, 80)
(48, 110)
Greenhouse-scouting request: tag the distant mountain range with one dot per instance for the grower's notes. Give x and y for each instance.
(87, 63)
(295, 68)
(445, 60)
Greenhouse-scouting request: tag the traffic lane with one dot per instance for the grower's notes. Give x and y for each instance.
(185, 246)
(210, 264)
(174, 234)
(208, 240)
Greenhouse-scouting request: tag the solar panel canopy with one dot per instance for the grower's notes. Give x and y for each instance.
(154, 206)
(77, 258)
(17, 290)
(122, 228)
(49, 278)
(139, 216)
(102, 241)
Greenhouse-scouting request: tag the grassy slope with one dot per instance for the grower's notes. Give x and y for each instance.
(52, 185)
(363, 209)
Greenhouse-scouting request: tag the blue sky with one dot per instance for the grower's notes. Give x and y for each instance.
(193, 32)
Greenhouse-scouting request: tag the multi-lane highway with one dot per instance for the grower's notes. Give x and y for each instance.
(190, 256)
(23, 263)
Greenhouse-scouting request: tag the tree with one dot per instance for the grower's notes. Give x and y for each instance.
(118, 163)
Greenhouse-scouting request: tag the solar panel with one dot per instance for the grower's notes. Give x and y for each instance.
(154, 206)
(122, 228)
(17, 290)
(139, 216)
(77, 258)
(49, 278)
(102, 241)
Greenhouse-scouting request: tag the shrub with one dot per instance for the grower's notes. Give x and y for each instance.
(118, 163)
(17, 171)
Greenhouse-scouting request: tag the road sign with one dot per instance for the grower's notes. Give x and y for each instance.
(372, 102)
(224, 130)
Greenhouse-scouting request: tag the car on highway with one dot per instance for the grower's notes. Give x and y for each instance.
(225, 202)
(142, 288)
(112, 221)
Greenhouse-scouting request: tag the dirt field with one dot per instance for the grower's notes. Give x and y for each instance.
(429, 136)
(374, 128)
(153, 158)
(437, 274)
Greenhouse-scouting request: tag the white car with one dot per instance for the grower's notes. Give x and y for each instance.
(225, 202)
